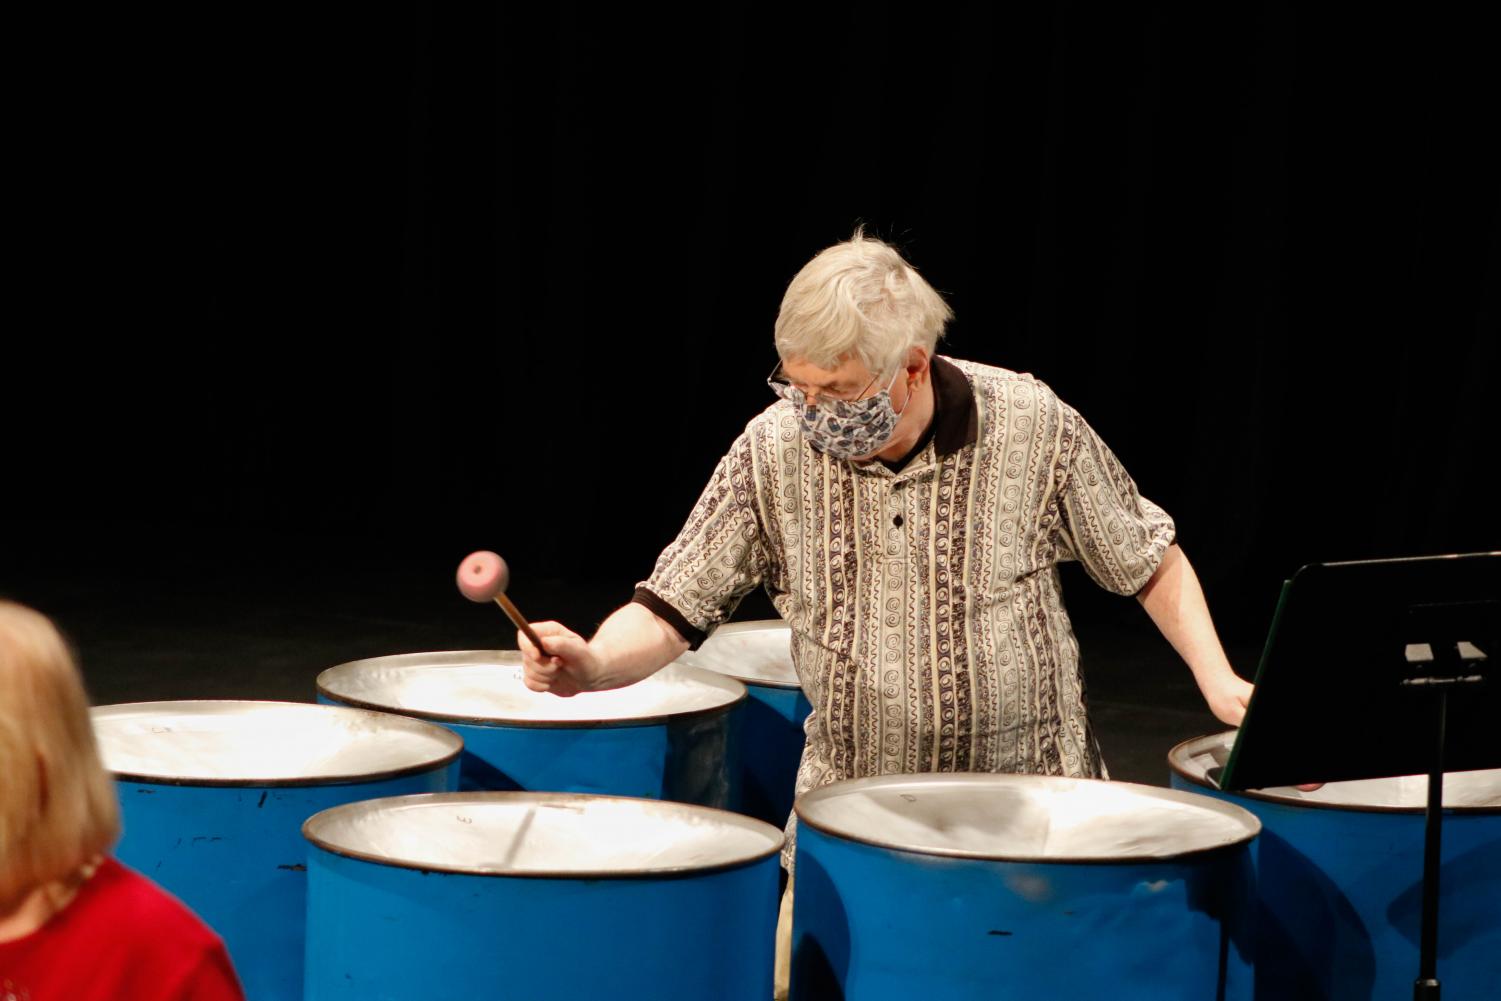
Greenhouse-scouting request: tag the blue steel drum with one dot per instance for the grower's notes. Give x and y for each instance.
(759, 655)
(668, 737)
(214, 795)
(524, 896)
(945, 886)
(1340, 881)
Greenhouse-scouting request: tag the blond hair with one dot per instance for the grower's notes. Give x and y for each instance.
(57, 803)
(859, 298)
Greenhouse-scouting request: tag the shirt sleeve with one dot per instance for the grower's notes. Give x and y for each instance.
(717, 558)
(1118, 535)
(212, 978)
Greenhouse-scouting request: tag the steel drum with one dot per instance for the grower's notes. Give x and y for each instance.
(942, 886)
(518, 895)
(668, 737)
(759, 655)
(214, 795)
(1340, 881)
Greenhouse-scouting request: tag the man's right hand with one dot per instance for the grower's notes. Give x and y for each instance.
(567, 667)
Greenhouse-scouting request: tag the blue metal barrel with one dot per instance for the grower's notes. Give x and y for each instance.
(1340, 881)
(668, 737)
(214, 795)
(521, 896)
(770, 723)
(943, 886)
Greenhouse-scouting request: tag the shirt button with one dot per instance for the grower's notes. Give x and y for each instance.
(897, 521)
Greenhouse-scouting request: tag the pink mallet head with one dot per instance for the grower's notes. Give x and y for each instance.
(483, 575)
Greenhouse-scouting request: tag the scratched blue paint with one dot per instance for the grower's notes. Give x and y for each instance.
(877, 924)
(236, 856)
(381, 932)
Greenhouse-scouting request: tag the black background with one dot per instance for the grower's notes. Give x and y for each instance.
(314, 302)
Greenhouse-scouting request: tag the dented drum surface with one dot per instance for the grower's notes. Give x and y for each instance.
(214, 795)
(515, 895)
(668, 737)
(759, 654)
(943, 886)
(1340, 880)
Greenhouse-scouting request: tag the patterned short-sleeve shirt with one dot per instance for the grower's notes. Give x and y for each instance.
(927, 620)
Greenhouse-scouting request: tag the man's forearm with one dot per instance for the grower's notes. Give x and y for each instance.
(633, 644)
(1175, 602)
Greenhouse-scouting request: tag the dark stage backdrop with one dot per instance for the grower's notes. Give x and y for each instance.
(316, 291)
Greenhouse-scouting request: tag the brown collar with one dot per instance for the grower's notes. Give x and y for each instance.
(956, 420)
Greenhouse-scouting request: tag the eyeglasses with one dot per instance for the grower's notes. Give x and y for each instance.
(823, 400)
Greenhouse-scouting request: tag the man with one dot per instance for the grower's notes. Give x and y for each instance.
(906, 513)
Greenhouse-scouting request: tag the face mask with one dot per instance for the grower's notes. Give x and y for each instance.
(845, 429)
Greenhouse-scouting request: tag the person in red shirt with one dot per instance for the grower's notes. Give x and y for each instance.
(75, 924)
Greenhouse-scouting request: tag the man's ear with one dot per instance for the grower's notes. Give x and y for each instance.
(918, 363)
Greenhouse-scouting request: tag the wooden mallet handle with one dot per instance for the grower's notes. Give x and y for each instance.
(483, 576)
(514, 614)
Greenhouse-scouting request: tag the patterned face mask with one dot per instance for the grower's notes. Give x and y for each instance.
(844, 429)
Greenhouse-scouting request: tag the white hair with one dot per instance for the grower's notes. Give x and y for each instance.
(859, 298)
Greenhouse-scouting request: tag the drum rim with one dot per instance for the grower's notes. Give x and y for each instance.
(454, 742)
(750, 626)
(1181, 750)
(1238, 813)
(523, 796)
(530, 724)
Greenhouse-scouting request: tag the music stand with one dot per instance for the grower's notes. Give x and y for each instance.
(1405, 648)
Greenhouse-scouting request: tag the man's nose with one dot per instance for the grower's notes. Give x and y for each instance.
(812, 399)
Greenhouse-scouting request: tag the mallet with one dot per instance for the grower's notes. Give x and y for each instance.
(482, 577)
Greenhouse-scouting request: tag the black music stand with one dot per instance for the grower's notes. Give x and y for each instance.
(1403, 648)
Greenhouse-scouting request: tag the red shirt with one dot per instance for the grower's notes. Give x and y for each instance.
(122, 938)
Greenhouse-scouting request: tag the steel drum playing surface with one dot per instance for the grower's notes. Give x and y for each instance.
(214, 795)
(668, 737)
(1018, 886)
(512, 895)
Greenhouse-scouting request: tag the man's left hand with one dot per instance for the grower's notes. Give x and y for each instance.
(1228, 697)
